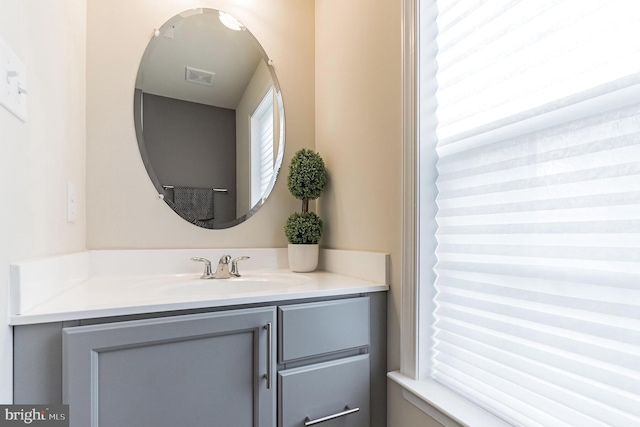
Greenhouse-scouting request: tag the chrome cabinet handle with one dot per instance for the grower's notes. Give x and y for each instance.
(309, 422)
(268, 375)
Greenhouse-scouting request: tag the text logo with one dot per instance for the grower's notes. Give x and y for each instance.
(34, 415)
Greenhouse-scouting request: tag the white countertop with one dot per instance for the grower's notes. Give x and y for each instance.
(108, 296)
(86, 297)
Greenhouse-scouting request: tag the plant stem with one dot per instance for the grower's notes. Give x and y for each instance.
(305, 205)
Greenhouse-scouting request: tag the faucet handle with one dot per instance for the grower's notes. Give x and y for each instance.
(234, 265)
(207, 267)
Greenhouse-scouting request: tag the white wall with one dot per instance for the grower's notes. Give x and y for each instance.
(123, 208)
(39, 157)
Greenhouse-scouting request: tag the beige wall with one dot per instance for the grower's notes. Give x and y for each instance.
(39, 157)
(359, 132)
(123, 208)
(402, 413)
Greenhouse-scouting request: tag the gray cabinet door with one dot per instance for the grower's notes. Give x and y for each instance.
(196, 370)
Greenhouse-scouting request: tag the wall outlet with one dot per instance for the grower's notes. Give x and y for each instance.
(72, 202)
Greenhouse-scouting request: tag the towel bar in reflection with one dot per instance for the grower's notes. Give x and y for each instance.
(170, 187)
(215, 190)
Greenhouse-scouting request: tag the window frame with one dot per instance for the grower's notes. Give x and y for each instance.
(416, 327)
(416, 341)
(437, 401)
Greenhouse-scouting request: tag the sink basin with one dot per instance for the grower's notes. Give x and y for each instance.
(249, 283)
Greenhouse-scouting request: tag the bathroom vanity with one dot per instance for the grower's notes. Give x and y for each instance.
(302, 355)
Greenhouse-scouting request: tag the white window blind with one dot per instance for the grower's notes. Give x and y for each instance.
(266, 149)
(262, 147)
(538, 273)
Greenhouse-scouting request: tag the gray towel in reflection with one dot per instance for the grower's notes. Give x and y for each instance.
(194, 202)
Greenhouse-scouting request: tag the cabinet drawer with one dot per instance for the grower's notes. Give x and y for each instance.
(324, 327)
(337, 391)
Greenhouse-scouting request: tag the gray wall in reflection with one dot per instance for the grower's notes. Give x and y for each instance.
(193, 145)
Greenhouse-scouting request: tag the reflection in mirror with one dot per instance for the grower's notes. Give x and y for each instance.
(209, 118)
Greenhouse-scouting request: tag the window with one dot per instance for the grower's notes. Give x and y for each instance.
(262, 147)
(528, 190)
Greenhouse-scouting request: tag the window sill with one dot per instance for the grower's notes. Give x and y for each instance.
(443, 405)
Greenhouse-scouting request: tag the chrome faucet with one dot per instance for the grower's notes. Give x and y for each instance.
(222, 271)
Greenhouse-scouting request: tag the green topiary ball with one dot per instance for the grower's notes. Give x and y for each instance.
(307, 175)
(303, 228)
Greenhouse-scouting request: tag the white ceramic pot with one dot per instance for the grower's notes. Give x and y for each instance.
(303, 258)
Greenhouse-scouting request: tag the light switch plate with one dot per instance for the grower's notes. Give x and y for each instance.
(13, 82)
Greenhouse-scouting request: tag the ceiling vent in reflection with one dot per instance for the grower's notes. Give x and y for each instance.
(201, 77)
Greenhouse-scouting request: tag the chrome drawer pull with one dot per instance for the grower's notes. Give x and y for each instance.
(309, 422)
(268, 375)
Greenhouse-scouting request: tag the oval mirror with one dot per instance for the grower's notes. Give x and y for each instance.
(209, 118)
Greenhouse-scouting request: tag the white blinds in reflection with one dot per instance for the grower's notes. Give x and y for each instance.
(538, 274)
(266, 150)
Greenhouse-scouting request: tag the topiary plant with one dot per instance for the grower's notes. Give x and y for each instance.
(303, 228)
(307, 178)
